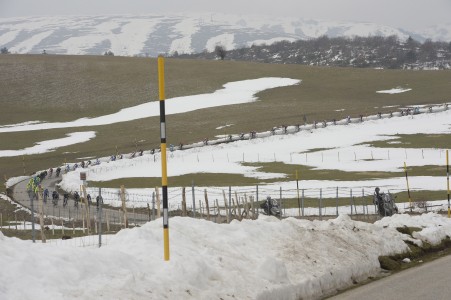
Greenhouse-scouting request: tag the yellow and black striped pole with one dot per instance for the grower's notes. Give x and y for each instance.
(408, 188)
(447, 180)
(164, 175)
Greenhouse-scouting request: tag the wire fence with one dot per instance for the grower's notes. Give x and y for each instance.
(100, 167)
(85, 222)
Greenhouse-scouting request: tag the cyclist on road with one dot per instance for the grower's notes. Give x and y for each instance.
(46, 195)
(55, 198)
(76, 199)
(65, 199)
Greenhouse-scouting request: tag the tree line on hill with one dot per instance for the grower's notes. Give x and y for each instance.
(363, 52)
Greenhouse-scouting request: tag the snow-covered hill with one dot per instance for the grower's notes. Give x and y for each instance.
(438, 33)
(130, 35)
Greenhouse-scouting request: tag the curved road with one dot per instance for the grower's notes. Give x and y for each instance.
(20, 195)
(428, 281)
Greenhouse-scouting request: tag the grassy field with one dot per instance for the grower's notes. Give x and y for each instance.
(442, 141)
(64, 88)
(304, 173)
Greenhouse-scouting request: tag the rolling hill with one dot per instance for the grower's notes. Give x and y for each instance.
(150, 35)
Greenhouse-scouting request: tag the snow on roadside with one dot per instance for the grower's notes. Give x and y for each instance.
(285, 259)
(14, 180)
(434, 228)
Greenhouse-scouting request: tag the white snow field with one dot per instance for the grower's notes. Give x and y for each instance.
(233, 93)
(346, 149)
(51, 145)
(266, 258)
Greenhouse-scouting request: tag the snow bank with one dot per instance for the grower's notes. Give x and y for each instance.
(285, 259)
(435, 228)
(14, 180)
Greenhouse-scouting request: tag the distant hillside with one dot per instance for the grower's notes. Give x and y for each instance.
(150, 35)
(373, 52)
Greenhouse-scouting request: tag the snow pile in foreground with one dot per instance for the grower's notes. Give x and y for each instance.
(262, 259)
(434, 227)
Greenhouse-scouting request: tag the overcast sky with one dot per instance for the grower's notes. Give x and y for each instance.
(407, 14)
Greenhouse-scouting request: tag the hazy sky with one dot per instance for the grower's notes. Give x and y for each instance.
(408, 14)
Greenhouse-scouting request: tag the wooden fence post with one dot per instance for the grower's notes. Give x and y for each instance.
(41, 215)
(148, 209)
(83, 222)
(226, 207)
(207, 207)
(86, 206)
(246, 206)
(183, 202)
(235, 210)
(219, 211)
(107, 221)
(124, 207)
(238, 205)
(251, 198)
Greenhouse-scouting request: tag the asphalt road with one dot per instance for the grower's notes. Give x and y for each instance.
(21, 196)
(428, 281)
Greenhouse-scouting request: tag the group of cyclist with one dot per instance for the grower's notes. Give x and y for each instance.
(33, 186)
(66, 196)
(81, 165)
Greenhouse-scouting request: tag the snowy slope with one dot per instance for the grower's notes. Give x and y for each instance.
(440, 32)
(130, 35)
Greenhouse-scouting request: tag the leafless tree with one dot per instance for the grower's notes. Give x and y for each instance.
(220, 52)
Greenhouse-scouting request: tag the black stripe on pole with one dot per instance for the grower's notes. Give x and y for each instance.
(165, 206)
(162, 112)
(162, 122)
(447, 182)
